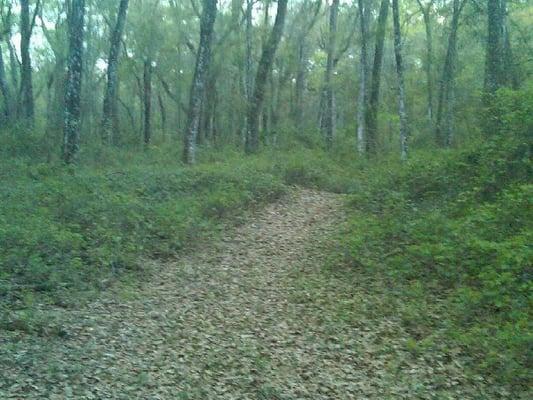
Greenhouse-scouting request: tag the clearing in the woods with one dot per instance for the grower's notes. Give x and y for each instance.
(251, 316)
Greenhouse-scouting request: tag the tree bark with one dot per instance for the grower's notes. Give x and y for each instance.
(443, 127)
(363, 63)
(404, 128)
(373, 105)
(494, 73)
(426, 13)
(4, 89)
(249, 49)
(147, 101)
(71, 128)
(263, 70)
(110, 119)
(27, 107)
(329, 122)
(163, 112)
(203, 58)
(301, 64)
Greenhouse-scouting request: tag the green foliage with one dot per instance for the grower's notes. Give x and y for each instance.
(451, 233)
(67, 232)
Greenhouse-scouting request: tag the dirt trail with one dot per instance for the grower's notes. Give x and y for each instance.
(233, 321)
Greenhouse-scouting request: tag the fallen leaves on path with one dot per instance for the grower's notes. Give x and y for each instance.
(234, 320)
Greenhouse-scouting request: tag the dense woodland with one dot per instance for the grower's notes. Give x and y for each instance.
(134, 130)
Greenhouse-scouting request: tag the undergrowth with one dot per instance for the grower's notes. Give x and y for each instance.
(67, 234)
(450, 234)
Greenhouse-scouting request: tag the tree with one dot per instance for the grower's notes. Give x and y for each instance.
(203, 58)
(363, 72)
(27, 23)
(71, 128)
(494, 72)
(147, 101)
(404, 129)
(109, 123)
(426, 13)
(302, 51)
(329, 121)
(263, 70)
(445, 114)
(4, 89)
(373, 104)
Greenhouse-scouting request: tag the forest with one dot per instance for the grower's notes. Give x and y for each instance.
(266, 199)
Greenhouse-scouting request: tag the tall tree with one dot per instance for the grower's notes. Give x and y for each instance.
(71, 128)
(494, 72)
(373, 104)
(302, 51)
(147, 101)
(329, 121)
(4, 89)
(27, 23)
(425, 9)
(249, 50)
(363, 72)
(404, 129)
(263, 70)
(110, 122)
(446, 101)
(203, 58)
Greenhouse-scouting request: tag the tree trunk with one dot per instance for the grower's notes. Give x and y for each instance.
(363, 63)
(373, 105)
(27, 108)
(71, 128)
(297, 110)
(301, 71)
(163, 112)
(329, 122)
(14, 68)
(248, 86)
(263, 70)
(443, 129)
(147, 100)
(404, 128)
(4, 89)
(203, 58)
(426, 13)
(110, 118)
(494, 73)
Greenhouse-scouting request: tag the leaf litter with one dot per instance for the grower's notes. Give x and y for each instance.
(250, 316)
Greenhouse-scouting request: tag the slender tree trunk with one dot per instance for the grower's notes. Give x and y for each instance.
(363, 63)
(4, 89)
(203, 58)
(494, 73)
(163, 112)
(329, 123)
(147, 84)
(71, 128)
(249, 79)
(445, 105)
(300, 81)
(27, 110)
(404, 128)
(14, 68)
(302, 50)
(426, 13)
(110, 119)
(373, 105)
(263, 70)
